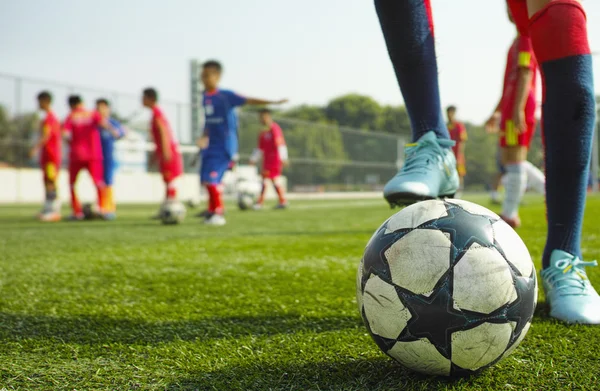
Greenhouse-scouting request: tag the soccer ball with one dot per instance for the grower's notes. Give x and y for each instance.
(446, 288)
(90, 212)
(172, 212)
(246, 200)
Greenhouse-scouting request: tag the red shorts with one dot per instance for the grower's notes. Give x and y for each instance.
(94, 167)
(50, 170)
(172, 169)
(510, 138)
(271, 172)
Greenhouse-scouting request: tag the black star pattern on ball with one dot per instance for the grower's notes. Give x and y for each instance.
(465, 228)
(374, 257)
(521, 310)
(434, 318)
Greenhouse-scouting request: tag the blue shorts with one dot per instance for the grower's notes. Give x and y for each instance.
(109, 171)
(213, 168)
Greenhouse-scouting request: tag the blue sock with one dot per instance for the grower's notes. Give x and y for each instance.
(408, 31)
(569, 120)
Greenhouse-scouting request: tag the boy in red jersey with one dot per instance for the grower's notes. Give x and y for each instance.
(274, 153)
(167, 153)
(49, 147)
(81, 130)
(516, 113)
(458, 134)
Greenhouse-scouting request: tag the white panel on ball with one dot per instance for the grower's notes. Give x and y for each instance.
(513, 247)
(421, 356)
(415, 215)
(473, 208)
(480, 346)
(386, 314)
(482, 281)
(419, 259)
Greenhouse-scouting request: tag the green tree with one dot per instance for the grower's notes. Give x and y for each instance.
(480, 151)
(15, 137)
(354, 111)
(306, 113)
(395, 120)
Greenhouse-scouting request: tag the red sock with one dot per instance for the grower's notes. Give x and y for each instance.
(263, 190)
(171, 191)
(211, 198)
(214, 192)
(280, 193)
(75, 205)
(101, 198)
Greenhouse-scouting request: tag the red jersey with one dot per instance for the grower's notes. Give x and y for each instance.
(157, 117)
(269, 142)
(520, 55)
(520, 14)
(458, 134)
(85, 138)
(51, 151)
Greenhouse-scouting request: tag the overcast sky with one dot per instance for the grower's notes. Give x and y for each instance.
(306, 50)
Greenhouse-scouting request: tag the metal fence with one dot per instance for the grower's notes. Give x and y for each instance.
(322, 157)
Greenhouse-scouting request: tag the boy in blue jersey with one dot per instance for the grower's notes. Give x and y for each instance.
(107, 138)
(219, 143)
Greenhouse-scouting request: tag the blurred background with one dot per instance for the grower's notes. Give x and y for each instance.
(345, 125)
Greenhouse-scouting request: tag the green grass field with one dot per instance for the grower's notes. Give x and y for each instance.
(265, 303)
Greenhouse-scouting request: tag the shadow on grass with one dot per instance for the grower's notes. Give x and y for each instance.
(348, 375)
(103, 330)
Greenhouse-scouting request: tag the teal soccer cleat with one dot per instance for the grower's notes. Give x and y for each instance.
(569, 293)
(429, 172)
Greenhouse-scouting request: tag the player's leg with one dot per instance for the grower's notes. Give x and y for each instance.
(430, 166)
(536, 180)
(277, 183)
(206, 171)
(263, 191)
(559, 36)
(74, 168)
(51, 210)
(109, 172)
(513, 158)
(96, 170)
(213, 170)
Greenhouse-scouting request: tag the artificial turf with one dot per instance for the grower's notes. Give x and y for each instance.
(264, 303)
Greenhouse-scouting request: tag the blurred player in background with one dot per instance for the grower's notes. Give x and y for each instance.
(170, 161)
(219, 143)
(458, 134)
(107, 138)
(81, 131)
(516, 113)
(559, 37)
(274, 154)
(49, 149)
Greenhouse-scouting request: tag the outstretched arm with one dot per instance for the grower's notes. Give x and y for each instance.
(262, 102)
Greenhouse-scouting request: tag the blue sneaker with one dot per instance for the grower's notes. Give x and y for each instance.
(429, 172)
(569, 293)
